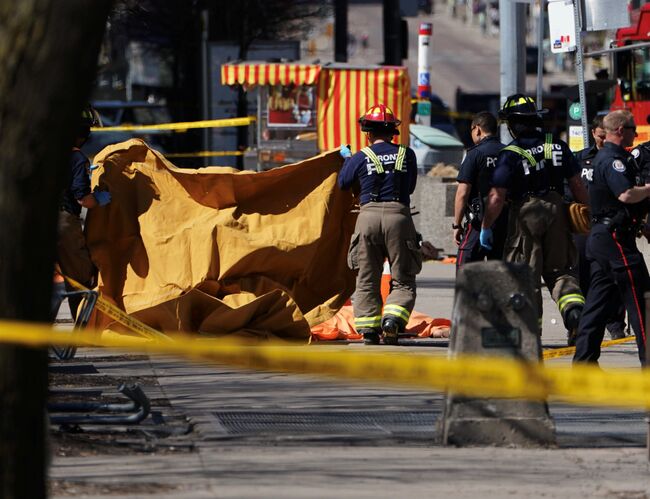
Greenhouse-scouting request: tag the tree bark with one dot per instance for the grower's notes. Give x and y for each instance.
(48, 54)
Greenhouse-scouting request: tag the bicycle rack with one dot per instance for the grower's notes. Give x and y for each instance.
(89, 301)
(139, 402)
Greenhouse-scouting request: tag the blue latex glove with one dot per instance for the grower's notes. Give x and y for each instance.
(486, 238)
(93, 167)
(102, 197)
(345, 152)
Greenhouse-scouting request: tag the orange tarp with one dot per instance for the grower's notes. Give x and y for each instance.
(218, 251)
(341, 327)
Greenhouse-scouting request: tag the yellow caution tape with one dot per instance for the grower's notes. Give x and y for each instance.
(469, 375)
(203, 154)
(115, 313)
(180, 126)
(563, 352)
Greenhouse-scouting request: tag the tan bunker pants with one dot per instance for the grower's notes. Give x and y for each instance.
(384, 231)
(538, 234)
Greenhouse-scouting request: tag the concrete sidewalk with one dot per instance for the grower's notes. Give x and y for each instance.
(260, 434)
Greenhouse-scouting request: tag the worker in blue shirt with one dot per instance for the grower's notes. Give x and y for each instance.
(619, 203)
(385, 173)
(471, 194)
(72, 253)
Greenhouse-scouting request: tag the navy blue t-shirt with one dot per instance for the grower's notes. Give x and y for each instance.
(360, 168)
(514, 173)
(78, 182)
(641, 154)
(615, 171)
(476, 169)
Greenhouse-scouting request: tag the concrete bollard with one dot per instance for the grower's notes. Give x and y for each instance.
(495, 315)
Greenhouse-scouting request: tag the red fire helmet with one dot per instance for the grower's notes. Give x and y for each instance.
(379, 118)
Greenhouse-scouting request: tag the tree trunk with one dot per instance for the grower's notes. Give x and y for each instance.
(48, 54)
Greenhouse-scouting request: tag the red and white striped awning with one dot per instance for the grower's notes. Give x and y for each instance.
(250, 74)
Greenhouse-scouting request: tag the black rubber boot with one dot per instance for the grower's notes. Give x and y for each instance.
(370, 336)
(571, 321)
(571, 337)
(391, 329)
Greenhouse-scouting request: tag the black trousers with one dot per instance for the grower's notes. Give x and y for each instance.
(617, 268)
(470, 249)
(616, 323)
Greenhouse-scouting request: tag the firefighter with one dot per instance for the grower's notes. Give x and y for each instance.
(530, 173)
(616, 326)
(471, 193)
(619, 203)
(72, 253)
(385, 174)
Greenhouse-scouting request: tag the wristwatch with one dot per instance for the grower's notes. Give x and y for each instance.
(454, 226)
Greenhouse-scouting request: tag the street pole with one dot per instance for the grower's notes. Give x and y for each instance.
(424, 66)
(580, 71)
(341, 30)
(513, 52)
(540, 53)
(392, 39)
(205, 77)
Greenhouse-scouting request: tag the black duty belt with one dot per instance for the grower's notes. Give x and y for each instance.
(612, 224)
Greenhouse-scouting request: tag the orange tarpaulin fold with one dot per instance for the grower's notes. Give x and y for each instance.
(341, 326)
(217, 251)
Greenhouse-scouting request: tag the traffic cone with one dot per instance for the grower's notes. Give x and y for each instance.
(385, 282)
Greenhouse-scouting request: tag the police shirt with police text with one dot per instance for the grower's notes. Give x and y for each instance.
(641, 154)
(361, 168)
(615, 171)
(478, 165)
(521, 179)
(585, 160)
(78, 182)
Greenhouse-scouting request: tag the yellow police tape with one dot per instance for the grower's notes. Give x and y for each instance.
(148, 332)
(117, 314)
(469, 375)
(180, 126)
(563, 352)
(203, 154)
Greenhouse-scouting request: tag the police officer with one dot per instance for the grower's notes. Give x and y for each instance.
(73, 256)
(386, 174)
(619, 202)
(616, 326)
(473, 187)
(530, 172)
(641, 154)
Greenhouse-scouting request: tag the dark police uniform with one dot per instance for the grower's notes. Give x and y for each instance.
(72, 253)
(616, 264)
(476, 170)
(533, 169)
(387, 174)
(641, 154)
(586, 161)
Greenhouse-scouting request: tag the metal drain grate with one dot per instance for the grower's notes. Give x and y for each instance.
(337, 423)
